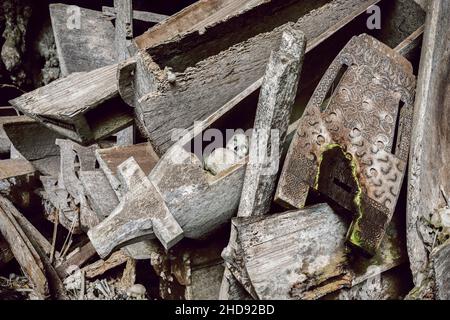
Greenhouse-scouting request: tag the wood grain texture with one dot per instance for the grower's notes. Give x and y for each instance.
(75, 45)
(429, 166)
(23, 250)
(227, 76)
(137, 15)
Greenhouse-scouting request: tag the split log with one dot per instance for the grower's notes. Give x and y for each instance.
(346, 156)
(440, 258)
(101, 266)
(84, 106)
(429, 166)
(23, 250)
(76, 35)
(311, 263)
(276, 99)
(145, 16)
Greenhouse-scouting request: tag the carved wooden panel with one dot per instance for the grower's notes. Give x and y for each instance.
(352, 142)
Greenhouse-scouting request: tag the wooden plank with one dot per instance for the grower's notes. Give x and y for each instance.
(75, 37)
(194, 18)
(295, 255)
(275, 103)
(429, 166)
(225, 75)
(43, 153)
(137, 15)
(85, 107)
(78, 259)
(24, 252)
(101, 266)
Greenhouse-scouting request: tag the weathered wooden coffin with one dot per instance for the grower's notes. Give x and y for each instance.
(84, 106)
(164, 76)
(429, 166)
(352, 141)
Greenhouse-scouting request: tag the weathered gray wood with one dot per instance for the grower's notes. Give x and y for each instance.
(43, 153)
(123, 27)
(295, 255)
(84, 107)
(24, 252)
(223, 74)
(276, 99)
(142, 213)
(102, 198)
(18, 182)
(195, 18)
(109, 160)
(85, 46)
(342, 150)
(76, 158)
(429, 166)
(441, 267)
(137, 15)
(6, 254)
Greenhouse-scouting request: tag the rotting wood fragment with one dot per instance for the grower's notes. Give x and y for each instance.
(24, 252)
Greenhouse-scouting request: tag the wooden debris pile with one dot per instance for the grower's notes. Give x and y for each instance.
(253, 149)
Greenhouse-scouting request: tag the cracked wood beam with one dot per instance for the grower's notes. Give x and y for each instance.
(145, 16)
(429, 166)
(84, 107)
(276, 100)
(175, 77)
(23, 250)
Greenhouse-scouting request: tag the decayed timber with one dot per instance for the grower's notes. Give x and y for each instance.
(101, 266)
(101, 196)
(109, 160)
(294, 255)
(78, 259)
(42, 152)
(137, 15)
(123, 27)
(84, 107)
(441, 270)
(23, 250)
(83, 42)
(273, 113)
(340, 148)
(76, 158)
(192, 270)
(222, 73)
(194, 19)
(429, 166)
(178, 188)
(6, 254)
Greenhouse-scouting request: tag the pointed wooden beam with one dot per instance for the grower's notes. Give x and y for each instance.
(429, 162)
